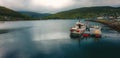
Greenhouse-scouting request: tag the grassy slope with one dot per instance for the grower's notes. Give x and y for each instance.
(86, 12)
(10, 13)
(34, 14)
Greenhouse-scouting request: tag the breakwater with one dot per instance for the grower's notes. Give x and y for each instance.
(111, 23)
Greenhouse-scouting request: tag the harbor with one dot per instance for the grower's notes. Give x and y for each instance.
(51, 39)
(59, 29)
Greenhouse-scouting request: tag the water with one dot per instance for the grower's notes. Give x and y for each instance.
(50, 39)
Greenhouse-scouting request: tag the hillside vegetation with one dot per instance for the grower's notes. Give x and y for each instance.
(34, 14)
(6, 13)
(86, 12)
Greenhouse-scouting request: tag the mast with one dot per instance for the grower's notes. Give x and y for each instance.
(78, 18)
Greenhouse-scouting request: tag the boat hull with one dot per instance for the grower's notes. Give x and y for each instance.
(96, 35)
(75, 35)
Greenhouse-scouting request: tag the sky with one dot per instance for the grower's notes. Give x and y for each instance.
(54, 6)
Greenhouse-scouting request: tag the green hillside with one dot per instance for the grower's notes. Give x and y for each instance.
(34, 14)
(86, 12)
(6, 13)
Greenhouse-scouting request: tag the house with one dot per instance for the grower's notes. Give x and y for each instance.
(111, 17)
(118, 17)
(100, 17)
(117, 20)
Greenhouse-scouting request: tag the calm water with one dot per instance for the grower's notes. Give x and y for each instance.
(50, 39)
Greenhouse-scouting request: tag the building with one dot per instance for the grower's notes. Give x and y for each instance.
(118, 17)
(100, 17)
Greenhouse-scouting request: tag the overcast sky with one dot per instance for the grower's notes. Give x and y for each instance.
(53, 6)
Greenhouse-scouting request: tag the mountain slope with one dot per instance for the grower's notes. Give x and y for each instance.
(33, 14)
(5, 12)
(86, 12)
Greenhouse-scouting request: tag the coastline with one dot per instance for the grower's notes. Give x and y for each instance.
(112, 24)
(34, 20)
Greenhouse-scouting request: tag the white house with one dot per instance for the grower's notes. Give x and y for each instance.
(111, 17)
(117, 20)
(118, 17)
(100, 17)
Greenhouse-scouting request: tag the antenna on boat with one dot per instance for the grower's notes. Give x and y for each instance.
(78, 18)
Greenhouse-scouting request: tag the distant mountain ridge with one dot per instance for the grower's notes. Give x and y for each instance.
(86, 12)
(8, 12)
(34, 14)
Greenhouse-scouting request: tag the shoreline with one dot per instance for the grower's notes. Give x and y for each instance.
(34, 20)
(111, 24)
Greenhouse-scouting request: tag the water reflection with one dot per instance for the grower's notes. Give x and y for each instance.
(51, 36)
(16, 42)
(50, 39)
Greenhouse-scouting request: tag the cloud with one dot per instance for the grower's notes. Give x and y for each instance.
(13, 4)
(106, 2)
(53, 6)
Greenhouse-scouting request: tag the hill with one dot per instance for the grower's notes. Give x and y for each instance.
(34, 14)
(86, 12)
(6, 13)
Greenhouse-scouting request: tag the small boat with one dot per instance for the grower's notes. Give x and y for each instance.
(78, 29)
(86, 34)
(95, 31)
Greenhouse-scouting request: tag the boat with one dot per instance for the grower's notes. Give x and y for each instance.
(95, 31)
(78, 29)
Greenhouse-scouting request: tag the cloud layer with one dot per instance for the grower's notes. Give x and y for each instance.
(53, 6)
